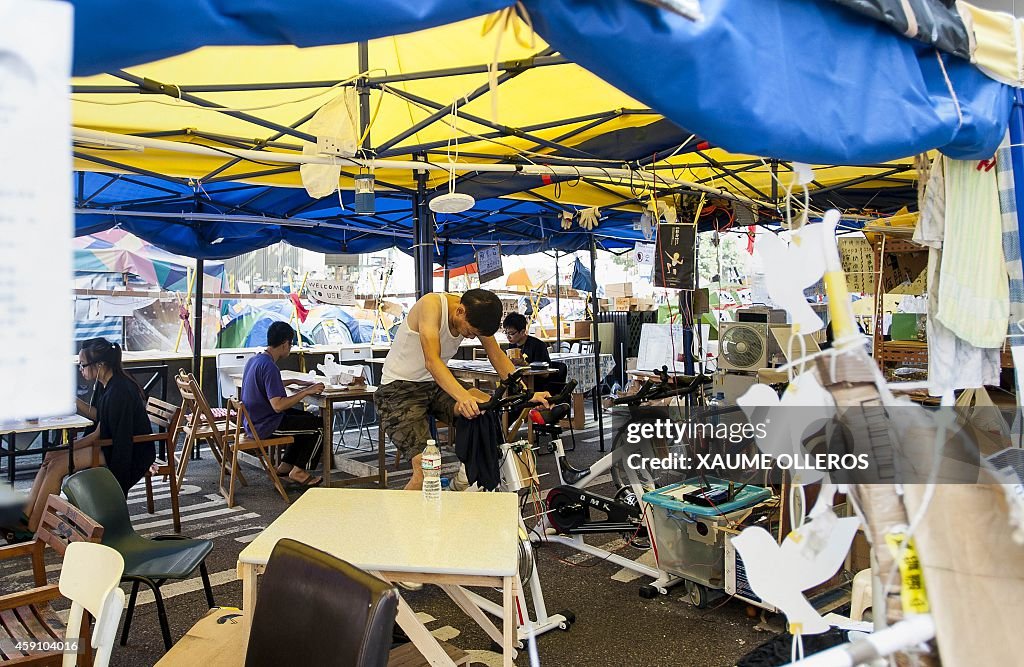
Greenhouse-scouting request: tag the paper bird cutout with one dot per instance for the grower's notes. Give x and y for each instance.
(792, 263)
(808, 556)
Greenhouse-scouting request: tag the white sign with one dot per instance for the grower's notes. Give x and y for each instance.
(36, 223)
(335, 294)
(488, 263)
(643, 254)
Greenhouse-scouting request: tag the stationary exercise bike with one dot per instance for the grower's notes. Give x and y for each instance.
(572, 511)
(516, 477)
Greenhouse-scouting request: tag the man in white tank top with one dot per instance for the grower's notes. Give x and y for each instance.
(416, 383)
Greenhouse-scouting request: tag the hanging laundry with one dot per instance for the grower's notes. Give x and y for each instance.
(1011, 238)
(953, 363)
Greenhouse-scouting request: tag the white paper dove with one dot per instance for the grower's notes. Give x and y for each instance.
(780, 574)
(804, 408)
(329, 368)
(792, 263)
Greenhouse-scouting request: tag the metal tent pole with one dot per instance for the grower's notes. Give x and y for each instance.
(423, 237)
(558, 306)
(595, 309)
(197, 327)
(364, 96)
(447, 276)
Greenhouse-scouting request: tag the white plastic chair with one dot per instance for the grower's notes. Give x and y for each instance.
(355, 353)
(346, 411)
(228, 364)
(90, 577)
(860, 598)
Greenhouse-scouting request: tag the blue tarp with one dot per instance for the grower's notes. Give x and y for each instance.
(522, 227)
(793, 79)
(111, 34)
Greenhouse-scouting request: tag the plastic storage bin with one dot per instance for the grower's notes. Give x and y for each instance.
(688, 537)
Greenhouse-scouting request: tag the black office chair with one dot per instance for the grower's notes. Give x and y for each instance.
(146, 561)
(317, 610)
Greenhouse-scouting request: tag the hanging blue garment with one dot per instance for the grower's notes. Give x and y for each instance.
(581, 277)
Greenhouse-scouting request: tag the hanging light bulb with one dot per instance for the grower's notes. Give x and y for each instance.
(364, 182)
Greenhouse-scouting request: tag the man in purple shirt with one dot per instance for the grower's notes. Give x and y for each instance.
(273, 411)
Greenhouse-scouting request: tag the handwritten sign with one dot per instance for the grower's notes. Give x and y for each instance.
(335, 294)
(488, 262)
(643, 254)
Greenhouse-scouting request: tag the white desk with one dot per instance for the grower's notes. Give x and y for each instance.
(325, 401)
(66, 425)
(471, 539)
(69, 423)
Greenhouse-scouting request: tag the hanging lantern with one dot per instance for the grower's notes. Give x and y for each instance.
(364, 193)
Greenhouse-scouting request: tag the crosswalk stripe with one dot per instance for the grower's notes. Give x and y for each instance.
(168, 591)
(228, 530)
(196, 517)
(213, 500)
(246, 539)
(625, 575)
(186, 490)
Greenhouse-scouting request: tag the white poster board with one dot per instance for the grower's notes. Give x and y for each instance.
(643, 254)
(661, 345)
(332, 293)
(36, 223)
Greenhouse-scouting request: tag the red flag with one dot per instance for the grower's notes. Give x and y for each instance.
(301, 311)
(750, 239)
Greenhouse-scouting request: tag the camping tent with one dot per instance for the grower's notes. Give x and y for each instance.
(113, 260)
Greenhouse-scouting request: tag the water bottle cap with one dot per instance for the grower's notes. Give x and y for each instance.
(431, 442)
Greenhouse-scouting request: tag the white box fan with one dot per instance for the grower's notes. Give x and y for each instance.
(742, 346)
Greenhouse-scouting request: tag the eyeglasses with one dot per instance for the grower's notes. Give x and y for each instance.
(84, 366)
(511, 333)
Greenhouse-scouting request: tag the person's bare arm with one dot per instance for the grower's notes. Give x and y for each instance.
(428, 326)
(86, 410)
(499, 360)
(282, 403)
(89, 439)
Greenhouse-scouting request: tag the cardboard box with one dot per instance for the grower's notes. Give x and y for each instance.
(576, 329)
(622, 303)
(643, 304)
(613, 290)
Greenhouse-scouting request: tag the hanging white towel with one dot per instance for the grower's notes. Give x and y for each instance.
(974, 295)
(953, 363)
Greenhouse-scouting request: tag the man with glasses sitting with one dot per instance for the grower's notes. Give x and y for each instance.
(534, 350)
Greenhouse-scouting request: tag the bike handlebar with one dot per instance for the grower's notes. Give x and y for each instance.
(499, 400)
(651, 391)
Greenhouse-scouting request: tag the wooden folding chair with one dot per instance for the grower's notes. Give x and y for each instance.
(199, 424)
(26, 616)
(166, 417)
(238, 440)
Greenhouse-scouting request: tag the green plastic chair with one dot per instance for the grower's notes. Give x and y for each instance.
(149, 561)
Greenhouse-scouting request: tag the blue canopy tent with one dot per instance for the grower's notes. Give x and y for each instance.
(761, 79)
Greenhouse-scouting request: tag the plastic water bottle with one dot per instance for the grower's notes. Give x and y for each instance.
(715, 405)
(430, 463)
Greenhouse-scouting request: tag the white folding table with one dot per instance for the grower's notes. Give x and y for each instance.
(468, 539)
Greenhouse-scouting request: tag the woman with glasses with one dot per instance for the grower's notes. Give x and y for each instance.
(118, 408)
